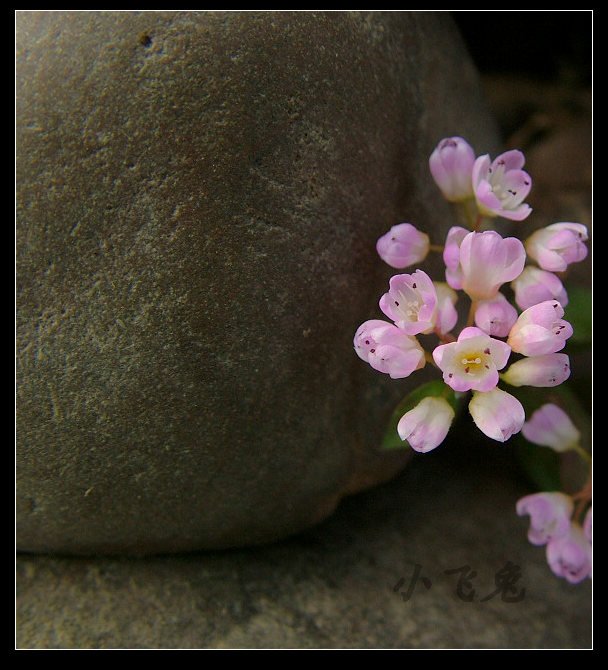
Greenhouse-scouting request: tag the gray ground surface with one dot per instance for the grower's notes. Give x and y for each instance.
(331, 587)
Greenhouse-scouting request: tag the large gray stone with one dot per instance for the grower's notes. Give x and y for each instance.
(198, 199)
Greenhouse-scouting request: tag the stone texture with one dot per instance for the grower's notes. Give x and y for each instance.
(198, 200)
(331, 587)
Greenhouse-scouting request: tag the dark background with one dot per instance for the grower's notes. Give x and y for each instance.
(546, 45)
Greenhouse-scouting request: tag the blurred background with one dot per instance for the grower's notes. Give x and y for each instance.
(546, 46)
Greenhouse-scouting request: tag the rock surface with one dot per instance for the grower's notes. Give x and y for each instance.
(333, 585)
(198, 199)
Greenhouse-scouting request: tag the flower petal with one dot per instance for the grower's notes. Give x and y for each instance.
(497, 414)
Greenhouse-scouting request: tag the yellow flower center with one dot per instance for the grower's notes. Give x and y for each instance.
(475, 362)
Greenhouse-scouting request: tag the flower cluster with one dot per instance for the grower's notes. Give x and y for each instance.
(513, 337)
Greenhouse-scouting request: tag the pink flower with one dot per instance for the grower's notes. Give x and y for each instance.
(485, 262)
(403, 245)
(587, 524)
(496, 316)
(540, 330)
(558, 245)
(551, 427)
(497, 414)
(569, 555)
(502, 186)
(451, 256)
(388, 349)
(411, 302)
(549, 515)
(541, 371)
(534, 286)
(451, 165)
(447, 316)
(426, 426)
(473, 361)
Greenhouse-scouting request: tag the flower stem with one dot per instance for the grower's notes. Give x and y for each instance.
(471, 317)
(585, 455)
(586, 492)
(469, 209)
(428, 357)
(583, 498)
(437, 248)
(477, 223)
(445, 338)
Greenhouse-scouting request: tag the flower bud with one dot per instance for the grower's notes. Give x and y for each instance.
(541, 371)
(486, 261)
(497, 414)
(426, 426)
(496, 316)
(451, 165)
(403, 245)
(388, 349)
(569, 556)
(551, 427)
(558, 245)
(540, 330)
(549, 515)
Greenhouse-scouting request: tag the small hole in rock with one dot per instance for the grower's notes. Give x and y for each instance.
(145, 40)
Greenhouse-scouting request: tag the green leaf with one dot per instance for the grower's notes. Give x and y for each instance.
(547, 469)
(430, 389)
(540, 464)
(578, 313)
